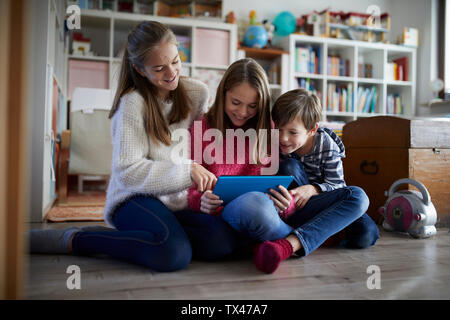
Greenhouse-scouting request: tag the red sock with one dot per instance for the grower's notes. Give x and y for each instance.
(269, 254)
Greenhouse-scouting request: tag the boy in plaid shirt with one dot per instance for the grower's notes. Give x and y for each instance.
(320, 207)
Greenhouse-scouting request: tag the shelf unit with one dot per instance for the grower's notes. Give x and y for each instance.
(210, 9)
(276, 64)
(47, 83)
(108, 31)
(352, 54)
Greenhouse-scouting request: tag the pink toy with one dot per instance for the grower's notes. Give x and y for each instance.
(409, 210)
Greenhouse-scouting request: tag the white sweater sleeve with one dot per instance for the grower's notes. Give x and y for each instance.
(135, 171)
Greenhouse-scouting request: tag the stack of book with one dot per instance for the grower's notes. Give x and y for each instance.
(340, 97)
(274, 72)
(365, 70)
(336, 126)
(307, 60)
(394, 104)
(367, 99)
(338, 67)
(398, 69)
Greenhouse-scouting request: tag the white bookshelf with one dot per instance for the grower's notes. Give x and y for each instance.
(376, 54)
(108, 31)
(47, 85)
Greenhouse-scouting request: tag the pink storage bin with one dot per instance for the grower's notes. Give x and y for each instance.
(212, 47)
(88, 74)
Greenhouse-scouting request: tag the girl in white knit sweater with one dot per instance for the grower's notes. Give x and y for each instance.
(146, 186)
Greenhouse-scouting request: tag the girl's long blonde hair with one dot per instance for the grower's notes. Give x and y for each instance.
(241, 71)
(141, 41)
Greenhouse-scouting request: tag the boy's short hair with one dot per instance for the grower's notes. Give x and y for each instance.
(297, 103)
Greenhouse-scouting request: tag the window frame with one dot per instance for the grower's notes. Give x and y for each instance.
(442, 44)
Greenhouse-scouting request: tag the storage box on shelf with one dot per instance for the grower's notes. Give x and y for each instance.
(108, 31)
(352, 77)
(87, 74)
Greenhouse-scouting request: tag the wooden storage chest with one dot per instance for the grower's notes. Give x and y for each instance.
(383, 149)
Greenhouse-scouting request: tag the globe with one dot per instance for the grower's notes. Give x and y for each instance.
(285, 23)
(256, 37)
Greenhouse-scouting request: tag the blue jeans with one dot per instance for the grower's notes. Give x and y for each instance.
(254, 215)
(150, 234)
(330, 212)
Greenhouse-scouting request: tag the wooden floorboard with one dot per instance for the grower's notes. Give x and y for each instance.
(410, 269)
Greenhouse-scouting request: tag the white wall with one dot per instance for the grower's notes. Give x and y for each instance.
(420, 14)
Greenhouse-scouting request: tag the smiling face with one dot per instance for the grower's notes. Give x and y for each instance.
(294, 137)
(241, 103)
(162, 68)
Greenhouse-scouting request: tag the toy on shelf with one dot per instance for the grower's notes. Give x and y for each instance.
(230, 18)
(371, 26)
(256, 35)
(315, 24)
(270, 28)
(409, 210)
(252, 17)
(410, 37)
(81, 46)
(285, 23)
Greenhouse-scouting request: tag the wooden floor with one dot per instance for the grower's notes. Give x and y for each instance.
(410, 269)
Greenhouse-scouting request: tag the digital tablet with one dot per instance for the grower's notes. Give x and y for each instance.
(231, 187)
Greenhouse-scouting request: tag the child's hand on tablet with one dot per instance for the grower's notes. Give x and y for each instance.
(302, 194)
(209, 202)
(281, 200)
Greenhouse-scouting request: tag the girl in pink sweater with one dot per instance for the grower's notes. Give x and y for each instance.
(242, 102)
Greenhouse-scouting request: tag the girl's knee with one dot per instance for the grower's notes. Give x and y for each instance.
(173, 255)
(253, 204)
(260, 208)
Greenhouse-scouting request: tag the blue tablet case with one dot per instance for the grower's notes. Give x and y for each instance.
(231, 187)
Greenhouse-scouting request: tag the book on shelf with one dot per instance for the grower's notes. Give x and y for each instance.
(340, 97)
(367, 99)
(310, 85)
(337, 66)
(184, 48)
(336, 126)
(402, 68)
(90, 4)
(398, 69)
(273, 71)
(307, 59)
(394, 104)
(365, 70)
